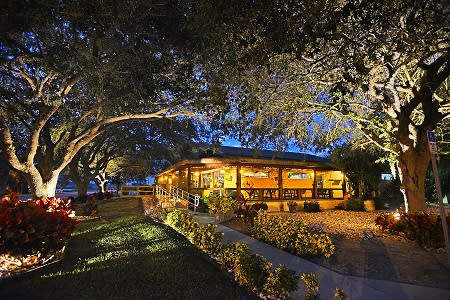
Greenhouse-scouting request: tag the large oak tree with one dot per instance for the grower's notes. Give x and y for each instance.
(70, 70)
(322, 71)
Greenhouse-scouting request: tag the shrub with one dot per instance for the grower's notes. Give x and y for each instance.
(260, 205)
(280, 283)
(217, 203)
(355, 204)
(27, 228)
(55, 204)
(422, 227)
(292, 205)
(252, 270)
(312, 206)
(230, 253)
(249, 269)
(312, 286)
(246, 212)
(291, 235)
(182, 222)
(206, 238)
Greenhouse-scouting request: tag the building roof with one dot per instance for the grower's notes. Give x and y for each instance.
(225, 154)
(228, 152)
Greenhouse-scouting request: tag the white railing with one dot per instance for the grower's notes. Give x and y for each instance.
(176, 195)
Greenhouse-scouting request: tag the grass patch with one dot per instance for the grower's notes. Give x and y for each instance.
(124, 255)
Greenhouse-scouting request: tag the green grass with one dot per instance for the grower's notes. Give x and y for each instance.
(125, 255)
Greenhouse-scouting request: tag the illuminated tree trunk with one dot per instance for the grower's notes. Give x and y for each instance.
(41, 188)
(101, 181)
(412, 167)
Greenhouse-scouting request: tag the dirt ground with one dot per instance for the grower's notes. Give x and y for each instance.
(363, 250)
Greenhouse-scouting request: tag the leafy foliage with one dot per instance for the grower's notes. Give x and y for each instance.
(217, 203)
(70, 71)
(292, 205)
(320, 73)
(291, 235)
(361, 168)
(182, 221)
(280, 283)
(422, 227)
(355, 204)
(312, 286)
(33, 227)
(250, 270)
(311, 206)
(206, 238)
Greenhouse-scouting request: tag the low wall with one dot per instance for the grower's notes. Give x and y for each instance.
(274, 206)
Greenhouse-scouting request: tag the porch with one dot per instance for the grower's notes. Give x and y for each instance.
(256, 182)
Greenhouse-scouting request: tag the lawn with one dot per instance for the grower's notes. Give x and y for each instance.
(125, 255)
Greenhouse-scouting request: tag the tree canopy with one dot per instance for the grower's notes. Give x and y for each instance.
(321, 72)
(69, 71)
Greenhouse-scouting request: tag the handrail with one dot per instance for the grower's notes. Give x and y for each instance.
(192, 199)
(175, 195)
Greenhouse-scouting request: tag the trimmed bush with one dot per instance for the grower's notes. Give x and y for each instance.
(291, 235)
(280, 283)
(355, 204)
(203, 237)
(251, 270)
(292, 205)
(312, 286)
(260, 205)
(312, 206)
(206, 238)
(230, 253)
(182, 222)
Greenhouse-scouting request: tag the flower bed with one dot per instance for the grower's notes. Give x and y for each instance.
(32, 233)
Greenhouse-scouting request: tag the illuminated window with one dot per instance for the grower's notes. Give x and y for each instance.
(297, 175)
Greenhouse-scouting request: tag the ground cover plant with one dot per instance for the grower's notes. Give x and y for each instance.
(123, 254)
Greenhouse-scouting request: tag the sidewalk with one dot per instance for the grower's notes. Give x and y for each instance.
(354, 287)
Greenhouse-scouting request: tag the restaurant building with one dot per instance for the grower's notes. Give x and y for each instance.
(259, 175)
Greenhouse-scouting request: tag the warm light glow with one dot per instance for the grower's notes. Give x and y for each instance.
(397, 215)
(197, 174)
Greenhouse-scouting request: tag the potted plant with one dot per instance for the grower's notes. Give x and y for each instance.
(292, 205)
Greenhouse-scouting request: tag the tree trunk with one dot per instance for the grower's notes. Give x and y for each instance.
(100, 185)
(41, 188)
(101, 181)
(412, 167)
(82, 187)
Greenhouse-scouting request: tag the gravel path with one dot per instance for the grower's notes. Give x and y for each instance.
(363, 250)
(349, 224)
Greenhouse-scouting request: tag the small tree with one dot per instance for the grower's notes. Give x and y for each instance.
(361, 168)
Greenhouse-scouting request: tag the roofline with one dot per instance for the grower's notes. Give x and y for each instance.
(239, 160)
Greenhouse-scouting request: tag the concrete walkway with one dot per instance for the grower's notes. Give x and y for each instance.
(354, 287)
